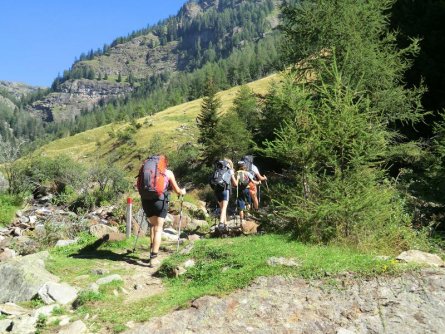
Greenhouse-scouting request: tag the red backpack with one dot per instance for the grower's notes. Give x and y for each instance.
(152, 180)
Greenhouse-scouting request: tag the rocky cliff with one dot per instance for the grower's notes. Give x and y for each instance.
(77, 95)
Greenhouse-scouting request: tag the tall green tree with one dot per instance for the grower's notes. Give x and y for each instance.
(357, 34)
(334, 117)
(207, 121)
(246, 107)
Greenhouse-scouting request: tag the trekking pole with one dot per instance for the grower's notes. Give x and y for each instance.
(180, 221)
(267, 185)
(139, 232)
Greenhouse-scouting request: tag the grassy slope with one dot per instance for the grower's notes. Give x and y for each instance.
(164, 125)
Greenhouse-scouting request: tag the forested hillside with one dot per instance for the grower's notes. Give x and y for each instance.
(159, 66)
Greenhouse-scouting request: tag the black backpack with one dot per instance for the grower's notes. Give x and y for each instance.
(248, 162)
(220, 179)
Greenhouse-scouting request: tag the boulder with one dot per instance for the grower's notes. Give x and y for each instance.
(63, 243)
(416, 256)
(24, 324)
(116, 236)
(193, 237)
(22, 277)
(46, 310)
(60, 293)
(6, 254)
(77, 327)
(101, 230)
(12, 309)
(249, 227)
(5, 326)
(109, 279)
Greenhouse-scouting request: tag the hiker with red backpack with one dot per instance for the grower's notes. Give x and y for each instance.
(221, 182)
(153, 183)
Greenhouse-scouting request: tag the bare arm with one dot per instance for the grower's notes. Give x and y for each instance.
(174, 184)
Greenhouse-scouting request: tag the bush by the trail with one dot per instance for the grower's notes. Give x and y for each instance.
(70, 182)
(53, 174)
(8, 206)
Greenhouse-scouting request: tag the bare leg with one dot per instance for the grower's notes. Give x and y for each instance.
(223, 214)
(254, 198)
(157, 224)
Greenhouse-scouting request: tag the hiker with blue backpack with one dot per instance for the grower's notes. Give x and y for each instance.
(153, 183)
(221, 182)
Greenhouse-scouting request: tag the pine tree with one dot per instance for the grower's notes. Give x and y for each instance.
(207, 122)
(330, 118)
(246, 107)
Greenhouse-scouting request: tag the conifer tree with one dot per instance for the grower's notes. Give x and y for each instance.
(246, 107)
(207, 122)
(332, 118)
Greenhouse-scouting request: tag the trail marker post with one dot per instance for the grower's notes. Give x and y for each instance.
(129, 214)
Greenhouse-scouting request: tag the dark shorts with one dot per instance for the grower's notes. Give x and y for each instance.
(222, 195)
(243, 199)
(158, 208)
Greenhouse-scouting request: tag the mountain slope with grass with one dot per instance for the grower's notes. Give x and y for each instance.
(127, 144)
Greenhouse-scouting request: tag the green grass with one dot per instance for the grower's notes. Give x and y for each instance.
(8, 206)
(74, 263)
(222, 266)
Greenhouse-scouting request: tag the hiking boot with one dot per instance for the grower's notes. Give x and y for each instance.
(221, 227)
(154, 262)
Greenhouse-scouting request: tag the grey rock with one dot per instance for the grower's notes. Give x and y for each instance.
(17, 232)
(32, 220)
(291, 305)
(39, 229)
(63, 243)
(193, 237)
(61, 293)
(167, 235)
(282, 261)
(43, 212)
(101, 230)
(416, 256)
(6, 254)
(24, 220)
(12, 309)
(64, 320)
(94, 287)
(46, 310)
(25, 324)
(5, 326)
(109, 279)
(77, 327)
(22, 277)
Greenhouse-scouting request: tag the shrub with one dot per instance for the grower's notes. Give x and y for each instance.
(9, 204)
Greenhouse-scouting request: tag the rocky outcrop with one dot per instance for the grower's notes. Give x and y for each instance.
(22, 277)
(74, 96)
(413, 303)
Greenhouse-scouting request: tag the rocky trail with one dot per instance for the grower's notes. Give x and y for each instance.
(411, 303)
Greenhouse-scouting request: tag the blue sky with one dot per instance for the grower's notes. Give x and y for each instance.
(41, 38)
